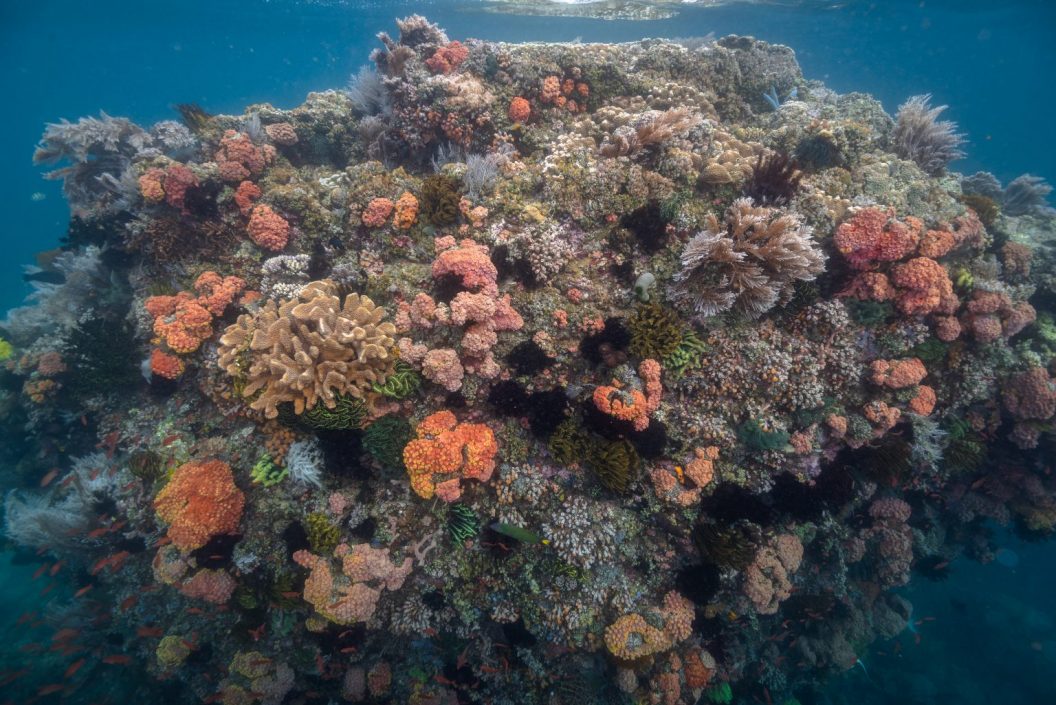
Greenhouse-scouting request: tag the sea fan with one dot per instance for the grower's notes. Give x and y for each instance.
(920, 136)
(36, 522)
(748, 262)
(1026, 194)
(99, 151)
(367, 91)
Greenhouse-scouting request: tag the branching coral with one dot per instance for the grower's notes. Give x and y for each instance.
(308, 350)
(748, 262)
(200, 501)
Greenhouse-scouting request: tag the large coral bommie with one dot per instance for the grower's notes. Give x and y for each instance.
(459, 384)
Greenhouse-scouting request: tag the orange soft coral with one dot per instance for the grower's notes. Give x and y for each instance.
(245, 195)
(200, 501)
(238, 158)
(471, 263)
(872, 236)
(165, 364)
(189, 324)
(632, 405)
(406, 211)
(898, 374)
(923, 287)
(520, 110)
(377, 212)
(447, 58)
(445, 447)
(267, 228)
(216, 293)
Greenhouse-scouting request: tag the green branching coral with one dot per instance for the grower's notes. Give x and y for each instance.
(323, 536)
(966, 450)
(615, 463)
(687, 356)
(349, 412)
(752, 434)
(266, 472)
(401, 383)
(720, 694)
(439, 200)
(869, 313)
(462, 523)
(385, 439)
(146, 465)
(570, 443)
(731, 546)
(656, 331)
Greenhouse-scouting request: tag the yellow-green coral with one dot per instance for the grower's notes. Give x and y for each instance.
(6, 350)
(323, 536)
(172, 651)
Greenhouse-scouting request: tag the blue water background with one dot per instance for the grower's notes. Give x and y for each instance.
(991, 62)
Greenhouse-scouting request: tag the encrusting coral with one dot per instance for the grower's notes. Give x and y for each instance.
(308, 350)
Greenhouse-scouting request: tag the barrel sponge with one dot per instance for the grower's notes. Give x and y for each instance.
(200, 501)
(309, 349)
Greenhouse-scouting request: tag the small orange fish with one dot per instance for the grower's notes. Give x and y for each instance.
(99, 565)
(349, 650)
(46, 480)
(128, 602)
(170, 439)
(83, 591)
(30, 648)
(47, 588)
(49, 689)
(40, 571)
(96, 533)
(149, 632)
(195, 610)
(26, 617)
(290, 595)
(65, 634)
(13, 676)
(55, 568)
(74, 667)
(117, 660)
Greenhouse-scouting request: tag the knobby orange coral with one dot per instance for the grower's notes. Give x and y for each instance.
(199, 502)
(444, 448)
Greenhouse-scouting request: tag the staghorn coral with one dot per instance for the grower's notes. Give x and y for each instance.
(308, 350)
(748, 262)
(200, 501)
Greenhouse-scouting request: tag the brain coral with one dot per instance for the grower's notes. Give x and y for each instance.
(308, 349)
(200, 501)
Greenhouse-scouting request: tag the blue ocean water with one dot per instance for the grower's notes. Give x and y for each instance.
(988, 633)
(63, 59)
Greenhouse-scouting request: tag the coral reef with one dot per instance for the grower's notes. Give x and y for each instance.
(534, 373)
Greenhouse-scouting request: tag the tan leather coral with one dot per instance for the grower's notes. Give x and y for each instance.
(309, 349)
